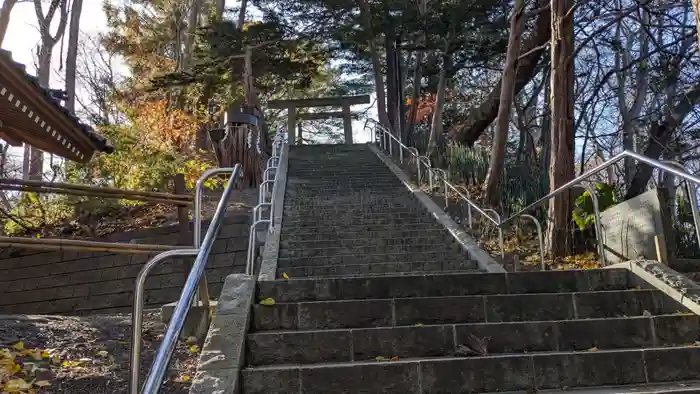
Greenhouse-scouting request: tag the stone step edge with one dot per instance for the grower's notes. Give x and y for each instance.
(382, 275)
(465, 261)
(451, 358)
(484, 296)
(439, 253)
(503, 323)
(412, 245)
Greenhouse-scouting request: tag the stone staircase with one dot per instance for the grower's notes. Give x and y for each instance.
(346, 213)
(381, 300)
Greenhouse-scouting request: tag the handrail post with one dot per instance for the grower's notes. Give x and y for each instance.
(540, 238)
(501, 242)
(137, 312)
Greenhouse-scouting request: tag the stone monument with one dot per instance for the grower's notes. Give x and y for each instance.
(630, 227)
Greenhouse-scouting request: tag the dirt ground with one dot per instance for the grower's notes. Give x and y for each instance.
(57, 354)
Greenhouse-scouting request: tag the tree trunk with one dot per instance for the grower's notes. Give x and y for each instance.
(479, 118)
(659, 135)
(5, 12)
(366, 15)
(192, 24)
(241, 14)
(436, 125)
(36, 156)
(72, 55)
(391, 73)
(415, 97)
(696, 11)
(561, 168)
(500, 135)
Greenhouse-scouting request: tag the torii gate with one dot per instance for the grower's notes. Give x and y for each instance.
(344, 102)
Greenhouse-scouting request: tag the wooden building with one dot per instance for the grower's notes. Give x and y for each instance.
(33, 115)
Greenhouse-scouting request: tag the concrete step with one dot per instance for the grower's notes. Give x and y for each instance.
(435, 255)
(293, 239)
(319, 315)
(416, 247)
(341, 228)
(358, 209)
(390, 239)
(380, 221)
(365, 344)
(365, 212)
(415, 267)
(523, 373)
(446, 285)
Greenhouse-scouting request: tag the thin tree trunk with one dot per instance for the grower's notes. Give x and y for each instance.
(366, 15)
(479, 118)
(72, 55)
(391, 86)
(561, 168)
(48, 41)
(192, 24)
(241, 14)
(500, 135)
(5, 12)
(436, 125)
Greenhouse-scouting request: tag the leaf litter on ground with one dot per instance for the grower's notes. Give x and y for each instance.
(76, 355)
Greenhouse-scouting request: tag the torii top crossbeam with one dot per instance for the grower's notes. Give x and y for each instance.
(30, 114)
(344, 102)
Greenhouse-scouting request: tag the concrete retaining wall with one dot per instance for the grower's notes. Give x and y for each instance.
(86, 282)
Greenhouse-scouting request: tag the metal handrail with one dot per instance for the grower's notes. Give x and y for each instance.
(269, 181)
(426, 161)
(137, 314)
(692, 193)
(154, 379)
(620, 156)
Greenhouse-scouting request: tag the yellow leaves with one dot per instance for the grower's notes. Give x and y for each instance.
(102, 353)
(18, 346)
(382, 358)
(284, 275)
(71, 364)
(268, 302)
(183, 379)
(419, 324)
(594, 349)
(194, 349)
(16, 386)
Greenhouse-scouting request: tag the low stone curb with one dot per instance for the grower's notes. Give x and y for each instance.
(268, 265)
(483, 259)
(223, 352)
(653, 274)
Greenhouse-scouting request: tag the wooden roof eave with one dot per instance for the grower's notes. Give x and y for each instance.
(18, 83)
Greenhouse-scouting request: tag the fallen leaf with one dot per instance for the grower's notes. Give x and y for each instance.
(381, 358)
(16, 385)
(71, 364)
(191, 340)
(268, 302)
(284, 275)
(594, 349)
(194, 349)
(419, 324)
(42, 383)
(18, 346)
(102, 353)
(395, 358)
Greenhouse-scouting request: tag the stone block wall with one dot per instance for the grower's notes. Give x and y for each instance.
(79, 283)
